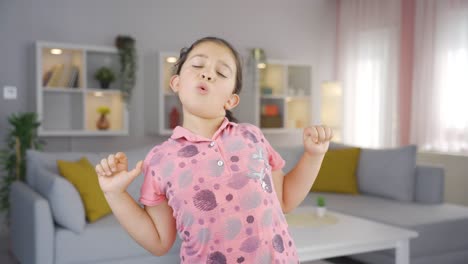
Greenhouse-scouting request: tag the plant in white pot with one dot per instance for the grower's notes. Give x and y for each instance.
(321, 208)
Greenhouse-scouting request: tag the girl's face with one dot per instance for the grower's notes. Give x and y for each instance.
(206, 81)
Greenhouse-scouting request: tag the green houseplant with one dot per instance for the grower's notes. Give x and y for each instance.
(21, 136)
(321, 207)
(128, 64)
(105, 76)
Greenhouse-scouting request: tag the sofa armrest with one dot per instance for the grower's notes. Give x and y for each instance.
(31, 226)
(429, 187)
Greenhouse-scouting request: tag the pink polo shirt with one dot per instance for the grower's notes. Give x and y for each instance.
(222, 195)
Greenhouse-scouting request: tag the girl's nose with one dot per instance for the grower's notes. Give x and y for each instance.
(206, 76)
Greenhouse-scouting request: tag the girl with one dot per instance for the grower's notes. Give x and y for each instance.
(216, 183)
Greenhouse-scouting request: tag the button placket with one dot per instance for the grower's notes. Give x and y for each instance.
(220, 161)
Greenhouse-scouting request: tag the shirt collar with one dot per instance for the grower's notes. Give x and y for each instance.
(182, 132)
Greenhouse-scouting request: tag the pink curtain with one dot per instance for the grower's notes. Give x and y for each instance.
(439, 120)
(368, 57)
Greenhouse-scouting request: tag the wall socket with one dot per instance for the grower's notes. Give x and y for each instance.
(9, 93)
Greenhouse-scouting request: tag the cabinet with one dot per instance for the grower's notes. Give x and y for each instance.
(276, 98)
(283, 96)
(68, 97)
(170, 108)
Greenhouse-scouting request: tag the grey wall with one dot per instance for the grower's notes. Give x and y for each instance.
(292, 30)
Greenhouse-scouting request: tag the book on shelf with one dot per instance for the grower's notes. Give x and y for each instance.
(46, 77)
(73, 77)
(64, 76)
(76, 80)
(54, 80)
(61, 76)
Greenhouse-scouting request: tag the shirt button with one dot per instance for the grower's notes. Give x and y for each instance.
(212, 144)
(220, 163)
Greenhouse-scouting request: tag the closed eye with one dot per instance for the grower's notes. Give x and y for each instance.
(222, 75)
(197, 66)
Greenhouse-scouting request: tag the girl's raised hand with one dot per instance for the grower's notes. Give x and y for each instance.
(113, 174)
(317, 139)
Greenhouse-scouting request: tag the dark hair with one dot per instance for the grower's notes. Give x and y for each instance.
(238, 85)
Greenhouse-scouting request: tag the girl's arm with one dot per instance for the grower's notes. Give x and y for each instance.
(152, 227)
(293, 187)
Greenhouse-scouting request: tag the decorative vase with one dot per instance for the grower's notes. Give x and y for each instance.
(104, 85)
(321, 210)
(174, 118)
(103, 122)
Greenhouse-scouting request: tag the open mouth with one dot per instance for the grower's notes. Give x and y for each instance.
(202, 88)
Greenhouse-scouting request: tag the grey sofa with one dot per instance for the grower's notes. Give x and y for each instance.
(442, 227)
(39, 215)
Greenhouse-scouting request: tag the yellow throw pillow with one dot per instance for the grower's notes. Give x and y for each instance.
(338, 172)
(82, 175)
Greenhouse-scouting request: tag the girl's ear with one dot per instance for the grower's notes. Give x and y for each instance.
(174, 83)
(232, 102)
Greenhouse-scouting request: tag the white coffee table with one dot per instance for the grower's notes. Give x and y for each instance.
(346, 235)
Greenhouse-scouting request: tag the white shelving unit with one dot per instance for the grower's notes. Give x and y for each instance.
(167, 99)
(283, 96)
(67, 108)
(283, 87)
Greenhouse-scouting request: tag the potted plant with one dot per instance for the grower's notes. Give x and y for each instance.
(128, 64)
(105, 76)
(321, 208)
(103, 123)
(21, 136)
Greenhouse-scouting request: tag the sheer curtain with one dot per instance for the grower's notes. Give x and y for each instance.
(368, 48)
(440, 84)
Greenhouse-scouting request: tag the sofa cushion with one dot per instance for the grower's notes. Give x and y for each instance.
(388, 173)
(441, 228)
(338, 171)
(48, 160)
(64, 200)
(82, 175)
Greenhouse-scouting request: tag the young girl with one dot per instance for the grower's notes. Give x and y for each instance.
(216, 183)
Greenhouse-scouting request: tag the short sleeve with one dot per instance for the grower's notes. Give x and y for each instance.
(274, 158)
(150, 193)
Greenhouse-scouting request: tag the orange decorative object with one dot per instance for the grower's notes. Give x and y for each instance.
(270, 110)
(174, 118)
